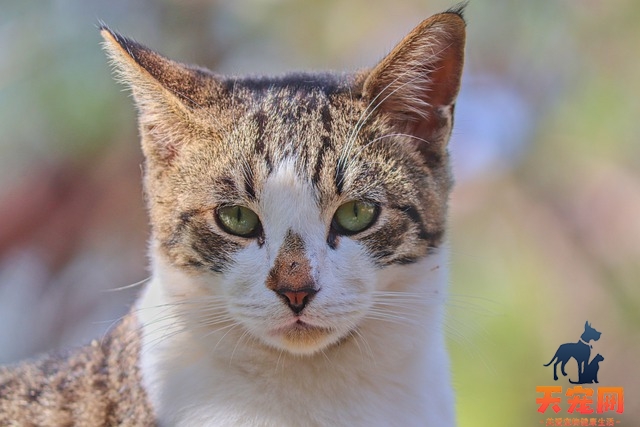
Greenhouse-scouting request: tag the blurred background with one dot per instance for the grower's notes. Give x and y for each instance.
(545, 218)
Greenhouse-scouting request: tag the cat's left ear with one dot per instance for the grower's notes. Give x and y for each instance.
(166, 93)
(417, 83)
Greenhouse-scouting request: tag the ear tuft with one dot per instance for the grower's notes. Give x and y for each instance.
(458, 9)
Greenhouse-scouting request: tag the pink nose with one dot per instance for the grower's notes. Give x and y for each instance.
(298, 299)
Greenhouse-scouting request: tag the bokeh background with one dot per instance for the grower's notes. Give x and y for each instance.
(545, 219)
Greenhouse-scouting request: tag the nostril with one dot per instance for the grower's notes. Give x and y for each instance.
(297, 300)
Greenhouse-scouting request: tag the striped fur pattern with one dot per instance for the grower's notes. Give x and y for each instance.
(97, 385)
(233, 136)
(300, 321)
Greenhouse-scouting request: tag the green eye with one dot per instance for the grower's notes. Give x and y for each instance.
(238, 220)
(353, 217)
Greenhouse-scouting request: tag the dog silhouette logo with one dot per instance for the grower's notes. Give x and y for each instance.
(581, 352)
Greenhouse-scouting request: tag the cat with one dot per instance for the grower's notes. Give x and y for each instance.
(298, 253)
(580, 351)
(590, 374)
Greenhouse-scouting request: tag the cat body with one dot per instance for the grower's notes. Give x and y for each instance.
(299, 263)
(97, 385)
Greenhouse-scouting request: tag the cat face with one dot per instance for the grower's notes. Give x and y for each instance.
(285, 202)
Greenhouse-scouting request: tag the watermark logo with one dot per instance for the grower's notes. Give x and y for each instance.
(580, 351)
(577, 405)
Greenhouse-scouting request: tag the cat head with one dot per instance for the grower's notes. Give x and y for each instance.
(286, 203)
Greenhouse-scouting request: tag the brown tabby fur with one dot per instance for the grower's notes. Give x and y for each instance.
(210, 140)
(195, 126)
(97, 385)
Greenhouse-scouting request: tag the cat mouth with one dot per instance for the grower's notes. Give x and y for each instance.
(300, 336)
(296, 324)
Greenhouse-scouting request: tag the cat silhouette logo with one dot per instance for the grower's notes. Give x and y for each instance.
(581, 352)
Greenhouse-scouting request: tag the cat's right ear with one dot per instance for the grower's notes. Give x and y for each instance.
(166, 93)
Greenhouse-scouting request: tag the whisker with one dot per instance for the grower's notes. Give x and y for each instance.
(133, 285)
(278, 361)
(390, 135)
(453, 331)
(357, 334)
(366, 114)
(368, 111)
(168, 332)
(392, 318)
(231, 328)
(244, 334)
(322, 350)
(478, 304)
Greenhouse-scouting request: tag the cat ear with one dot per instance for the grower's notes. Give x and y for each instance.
(417, 83)
(166, 92)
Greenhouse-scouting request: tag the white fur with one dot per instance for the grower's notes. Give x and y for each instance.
(374, 370)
